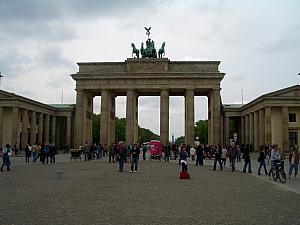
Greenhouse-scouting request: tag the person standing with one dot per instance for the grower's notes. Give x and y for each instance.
(121, 155)
(34, 150)
(135, 154)
(261, 160)
(27, 153)
(183, 158)
(167, 150)
(6, 153)
(52, 152)
(232, 154)
(144, 151)
(199, 154)
(111, 153)
(193, 152)
(294, 162)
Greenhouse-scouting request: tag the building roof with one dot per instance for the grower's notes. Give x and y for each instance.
(232, 106)
(62, 106)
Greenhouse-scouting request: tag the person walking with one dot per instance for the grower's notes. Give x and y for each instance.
(6, 153)
(34, 150)
(294, 162)
(261, 160)
(247, 159)
(52, 153)
(135, 154)
(217, 152)
(144, 151)
(224, 155)
(167, 150)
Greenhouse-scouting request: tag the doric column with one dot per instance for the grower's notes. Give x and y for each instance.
(242, 138)
(227, 120)
(112, 115)
(247, 129)
(79, 119)
(261, 126)
(104, 117)
(255, 131)
(46, 132)
(1, 127)
(40, 128)
(189, 117)
(33, 128)
(164, 117)
(68, 134)
(24, 139)
(53, 130)
(285, 129)
(15, 126)
(251, 123)
(268, 126)
(130, 105)
(135, 119)
(216, 114)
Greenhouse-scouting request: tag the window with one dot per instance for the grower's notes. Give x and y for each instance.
(292, 117)
(293, 138)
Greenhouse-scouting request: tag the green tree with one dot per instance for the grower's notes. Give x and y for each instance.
(201, 131)
(180, 140)
(145, 135)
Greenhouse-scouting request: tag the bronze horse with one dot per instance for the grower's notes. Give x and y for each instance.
(161, 51)
(135, 51)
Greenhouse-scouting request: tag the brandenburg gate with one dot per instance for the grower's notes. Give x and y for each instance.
(146, 76)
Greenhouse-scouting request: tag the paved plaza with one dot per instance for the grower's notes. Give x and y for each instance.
(95, 193)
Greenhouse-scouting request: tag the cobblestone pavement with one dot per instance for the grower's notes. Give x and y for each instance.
(95, 193)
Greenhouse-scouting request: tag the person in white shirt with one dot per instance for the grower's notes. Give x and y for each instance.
(193, 153)
(275, 156)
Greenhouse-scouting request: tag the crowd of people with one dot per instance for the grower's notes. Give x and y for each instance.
(121, 153)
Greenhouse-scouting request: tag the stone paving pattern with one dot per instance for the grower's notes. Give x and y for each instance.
(96, 193)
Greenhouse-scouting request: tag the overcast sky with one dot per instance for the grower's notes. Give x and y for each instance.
(257, 42)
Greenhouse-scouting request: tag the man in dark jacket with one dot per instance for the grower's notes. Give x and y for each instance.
(217, 150)
(247, 159)
(199, 154)
(135, 154)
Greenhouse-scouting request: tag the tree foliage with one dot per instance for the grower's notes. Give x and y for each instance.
(201, 131)
(144, 135)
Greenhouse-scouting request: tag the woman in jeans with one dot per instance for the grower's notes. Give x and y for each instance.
(261, 160)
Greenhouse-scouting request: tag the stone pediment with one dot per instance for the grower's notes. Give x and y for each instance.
(293, 91)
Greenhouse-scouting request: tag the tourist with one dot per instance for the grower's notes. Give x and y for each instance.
(144, 151)
(238, 153)
(217, 154)
(167, 150)
(46, 154)
(275, 157)
(105, 150)
(99, 151)
(86, 150)
(232, 154)
(34, 150)
(199, 154)
(224, 155)
(183, 158)
(294, 162)
(135, 154)
(261, 160)
(247, 159)
(6, 153)
(52, 153)
(193, 153)
(111, 153)
(121, 155)
(27, 153)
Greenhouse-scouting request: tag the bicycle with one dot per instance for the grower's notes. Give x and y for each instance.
(278, 172)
